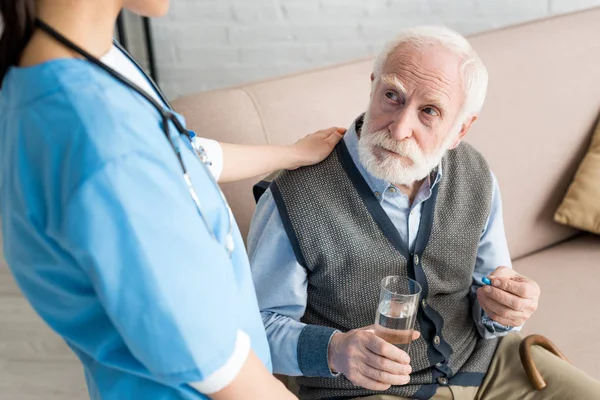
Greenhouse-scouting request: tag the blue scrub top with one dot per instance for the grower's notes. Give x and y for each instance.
(104, 239)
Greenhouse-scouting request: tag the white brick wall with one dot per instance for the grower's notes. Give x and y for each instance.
(208, 44)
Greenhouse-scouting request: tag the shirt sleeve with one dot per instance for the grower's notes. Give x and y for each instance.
(165, 284)
(491, 254)
(214, 151)
(296, 348)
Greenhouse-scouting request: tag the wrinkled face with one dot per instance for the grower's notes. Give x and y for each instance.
(147, 8)
(412, 117)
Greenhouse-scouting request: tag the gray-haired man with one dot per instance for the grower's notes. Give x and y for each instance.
(401, 195)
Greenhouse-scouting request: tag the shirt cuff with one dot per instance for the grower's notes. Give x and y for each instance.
(222, 377)
(313, 349)
(488, 328)
(214, 151)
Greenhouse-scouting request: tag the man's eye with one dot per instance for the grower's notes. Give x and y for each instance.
(431, 111)
(392, 96)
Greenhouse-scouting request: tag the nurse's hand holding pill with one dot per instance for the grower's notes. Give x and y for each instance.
(507, 297)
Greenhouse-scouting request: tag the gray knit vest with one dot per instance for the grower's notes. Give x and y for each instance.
(347, 244)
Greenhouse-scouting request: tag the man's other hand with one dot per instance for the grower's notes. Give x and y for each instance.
(511, 299)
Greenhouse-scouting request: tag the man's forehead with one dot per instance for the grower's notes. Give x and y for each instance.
(429, 95)
(433, 67)
(430, 56)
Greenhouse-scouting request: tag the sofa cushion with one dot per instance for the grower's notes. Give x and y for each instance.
(568, 274)
(581, 206)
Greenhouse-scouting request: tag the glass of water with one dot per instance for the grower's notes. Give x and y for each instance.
(397, 310)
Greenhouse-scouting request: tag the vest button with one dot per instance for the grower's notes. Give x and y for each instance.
(424, 303)
(442, 381)
(439, 364)
(416, 259)
(436, 340)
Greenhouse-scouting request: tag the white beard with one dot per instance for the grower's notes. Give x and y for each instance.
(391, 168)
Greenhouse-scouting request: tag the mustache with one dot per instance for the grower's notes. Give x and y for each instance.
(383, 139)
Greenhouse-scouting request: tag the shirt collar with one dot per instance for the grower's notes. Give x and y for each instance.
(378, 185)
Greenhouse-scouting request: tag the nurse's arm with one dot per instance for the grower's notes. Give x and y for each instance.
(242, 161)
(167, 287)
(253, 382)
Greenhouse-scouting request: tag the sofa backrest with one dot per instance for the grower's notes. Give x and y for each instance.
(543, 99)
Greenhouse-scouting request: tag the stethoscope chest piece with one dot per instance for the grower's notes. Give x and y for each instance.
(229, 245)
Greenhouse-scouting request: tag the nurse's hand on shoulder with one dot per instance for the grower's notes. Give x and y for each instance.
(243, 162)
(314, 148)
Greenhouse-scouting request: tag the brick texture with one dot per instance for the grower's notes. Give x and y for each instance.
(209, 44)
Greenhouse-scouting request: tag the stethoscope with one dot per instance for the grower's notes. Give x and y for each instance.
(167, 116)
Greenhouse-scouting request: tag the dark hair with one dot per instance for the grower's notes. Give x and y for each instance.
(18, 19)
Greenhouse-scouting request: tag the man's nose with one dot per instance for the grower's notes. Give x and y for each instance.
(402, 126)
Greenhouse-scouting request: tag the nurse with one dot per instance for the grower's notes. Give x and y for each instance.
(113, 225)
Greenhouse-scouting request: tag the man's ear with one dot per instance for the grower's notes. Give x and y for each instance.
(463, 131)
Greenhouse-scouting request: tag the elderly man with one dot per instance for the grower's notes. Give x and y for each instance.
(401, 195)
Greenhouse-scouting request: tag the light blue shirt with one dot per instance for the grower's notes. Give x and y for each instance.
(281, 282)
(104, 240)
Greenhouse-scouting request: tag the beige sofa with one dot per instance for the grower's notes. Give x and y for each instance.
(544, 98)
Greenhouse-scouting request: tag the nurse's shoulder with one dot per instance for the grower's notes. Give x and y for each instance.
(76, 118)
